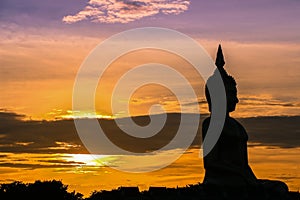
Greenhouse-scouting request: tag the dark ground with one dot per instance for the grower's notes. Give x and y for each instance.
(56, 190)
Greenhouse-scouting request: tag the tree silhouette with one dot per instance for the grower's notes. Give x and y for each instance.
(56, 190)
(38, 190)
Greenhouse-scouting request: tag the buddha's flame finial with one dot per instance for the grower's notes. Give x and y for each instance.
(220, 58)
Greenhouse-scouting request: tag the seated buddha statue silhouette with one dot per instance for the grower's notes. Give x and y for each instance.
(226, 165)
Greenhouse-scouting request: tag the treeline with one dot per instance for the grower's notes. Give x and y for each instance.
(38, 190)
(56, 190)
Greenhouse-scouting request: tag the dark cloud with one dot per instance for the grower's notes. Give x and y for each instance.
(39, 136)
(6, 117)
(34, 166)
(196, 103)
(27, 161)
(61, 136)
(62, 162)
(275, 131)
(257, 101)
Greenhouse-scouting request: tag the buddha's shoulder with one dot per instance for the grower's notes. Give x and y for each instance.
(230, 126)
(206, 121)
(227, 121)
(205, 125)
(233, 128)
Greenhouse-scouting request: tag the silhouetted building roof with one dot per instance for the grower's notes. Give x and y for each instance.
(129, 191)
(157, 190)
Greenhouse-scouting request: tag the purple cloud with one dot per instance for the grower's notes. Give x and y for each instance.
(125, 11)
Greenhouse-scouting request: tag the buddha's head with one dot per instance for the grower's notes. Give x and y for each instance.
(229, 84)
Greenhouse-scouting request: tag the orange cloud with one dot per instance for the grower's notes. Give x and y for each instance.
(125, 11)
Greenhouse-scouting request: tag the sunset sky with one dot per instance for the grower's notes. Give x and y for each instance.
(43, 44)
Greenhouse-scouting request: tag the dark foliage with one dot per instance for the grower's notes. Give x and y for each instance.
(56, 190)
(37, 190)
(191, 192)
